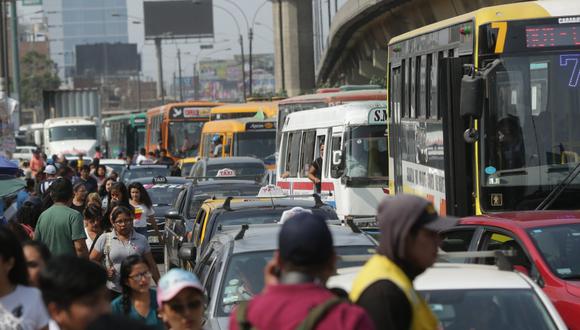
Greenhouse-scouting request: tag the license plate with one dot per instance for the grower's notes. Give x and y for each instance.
(153, 239)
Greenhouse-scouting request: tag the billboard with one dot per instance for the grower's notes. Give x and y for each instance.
(178, 19)
(119, 59)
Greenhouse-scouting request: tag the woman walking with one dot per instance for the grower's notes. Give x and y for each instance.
(144, 213)
(138, 301)
(113, 247)
(92, 219)
(79, 197)
(104, 190)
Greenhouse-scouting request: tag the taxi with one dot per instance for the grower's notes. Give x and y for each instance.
(245, 168)
(546, 246)
(185, 165)
(231, 268)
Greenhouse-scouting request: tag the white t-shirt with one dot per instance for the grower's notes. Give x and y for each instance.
(140, 158)
(25, 307)
(142, 212)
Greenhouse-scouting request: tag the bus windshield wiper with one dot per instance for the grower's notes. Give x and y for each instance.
(559, 189)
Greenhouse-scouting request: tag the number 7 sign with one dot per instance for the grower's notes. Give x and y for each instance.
(572, 60)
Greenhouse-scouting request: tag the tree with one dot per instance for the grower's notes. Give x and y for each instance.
(38, 74)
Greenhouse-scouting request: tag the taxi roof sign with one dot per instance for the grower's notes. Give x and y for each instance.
(159, 179)
(226, 172)
(271, 191)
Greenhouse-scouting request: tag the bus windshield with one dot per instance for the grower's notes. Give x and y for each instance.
(63, 133)
(530, 140)
(184, 138)
(366, 152)
(257, 144)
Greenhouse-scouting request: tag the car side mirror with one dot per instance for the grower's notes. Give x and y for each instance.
(471, 99)
(188, 252)
(173, 214)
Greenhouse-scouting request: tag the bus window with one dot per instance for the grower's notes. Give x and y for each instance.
(307, 153)
(432, 89)
(294, 148)
(182, 138)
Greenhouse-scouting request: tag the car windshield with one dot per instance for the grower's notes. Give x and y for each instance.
(186, 168)
(366, 152)
(143, 172)
(244, 276)
(184, 138)
(560, 246)
(248, 170)
(530, 140)
(257, 144)
(80, 132)
(489, 309)
(163, 194)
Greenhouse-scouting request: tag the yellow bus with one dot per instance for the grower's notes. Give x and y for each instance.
(240, 137)
(245, 110)
(483, 109)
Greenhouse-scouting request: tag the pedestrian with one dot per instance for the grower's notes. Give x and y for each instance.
(93, 198)
(181, 300)
(138, 300)
(295, 293)
(151, 158)
(50, 171)
(60, 227)
(25, 193)
(26, 170)
(104, 190)
(20, 305)
(28, 213)
(37, 255)
(79, 197)
(98, 153)
(66, 171)
(114, 175)
(315, 171)
(164, 159)
(113, 247)
(144, 213)
(117, 194)
(74, 292)
(101, 175)
(142, 157)
(408, 245)
(92, 218)
(36, 162)
(86, 178)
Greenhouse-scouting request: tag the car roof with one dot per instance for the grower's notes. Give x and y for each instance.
(238, 204)
(108, 161)
(265, 237)
(230, 160)
(226, 182)
(525, 219)
(448, 276)
(137, 167)
(170, 180)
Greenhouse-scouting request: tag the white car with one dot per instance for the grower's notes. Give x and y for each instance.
(469, 296)
(24, 152)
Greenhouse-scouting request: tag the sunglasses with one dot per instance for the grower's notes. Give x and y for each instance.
(191, 305)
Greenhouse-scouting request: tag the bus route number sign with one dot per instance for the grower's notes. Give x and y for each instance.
(378, 116)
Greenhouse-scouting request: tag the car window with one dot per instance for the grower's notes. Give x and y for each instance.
(201, 195)
(198, 226)
(559, 245)
(456, 240)
(498, 240)
(489, 309)
(163, 194)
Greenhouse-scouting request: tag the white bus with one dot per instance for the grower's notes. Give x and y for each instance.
(355, 161)
(70, 136)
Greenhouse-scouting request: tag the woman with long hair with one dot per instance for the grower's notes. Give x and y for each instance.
(144, 213)
(37, 255)
(79, 197)
(118, 195)
(104, 190)
(92, 217)
(137, 301)
(93, 199)
(101, 174)
(21, 306)
(121, 242)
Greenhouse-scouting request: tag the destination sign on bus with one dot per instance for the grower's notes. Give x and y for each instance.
(542, 36)
(188, 112)
(378, 116)
(260, 125)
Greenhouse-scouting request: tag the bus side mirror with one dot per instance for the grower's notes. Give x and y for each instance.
(471, 99)
(337, 166)
(107, 133)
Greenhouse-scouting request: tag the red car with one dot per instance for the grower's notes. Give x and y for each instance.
(546, 245)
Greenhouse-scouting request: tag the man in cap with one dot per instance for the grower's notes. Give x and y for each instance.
(296, 296)
(180, 299)
(408, 245)
(50, 171)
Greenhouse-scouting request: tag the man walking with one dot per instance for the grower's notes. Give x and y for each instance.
(408, 246)
(60, 227)
(296, 296)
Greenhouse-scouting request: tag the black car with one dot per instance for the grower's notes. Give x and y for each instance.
(179, 220)
(228, 168)
(163, 192)
(133, 172)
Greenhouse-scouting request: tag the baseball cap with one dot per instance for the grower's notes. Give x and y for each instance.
(305, 240)
(50, 169)
(173, 282)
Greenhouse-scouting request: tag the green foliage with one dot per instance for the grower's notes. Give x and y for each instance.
(38, 73)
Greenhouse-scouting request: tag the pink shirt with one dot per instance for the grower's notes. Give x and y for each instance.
(284, 307)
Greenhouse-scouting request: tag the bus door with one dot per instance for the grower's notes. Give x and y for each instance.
(335, 158)
(228, 146)
(320, 141)
(458, 155)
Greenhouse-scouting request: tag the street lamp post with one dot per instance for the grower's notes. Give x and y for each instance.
(250, 38)
(179, 72)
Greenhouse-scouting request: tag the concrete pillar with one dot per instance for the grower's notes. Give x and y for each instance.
(297, 46)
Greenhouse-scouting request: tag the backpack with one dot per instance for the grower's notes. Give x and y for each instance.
(315, 315)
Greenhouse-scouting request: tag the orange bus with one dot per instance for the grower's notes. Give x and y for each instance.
(176, 127)
(328, 97)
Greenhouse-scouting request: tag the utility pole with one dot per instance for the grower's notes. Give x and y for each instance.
(243, 66)
(179, 68)
(160, 92)
(328, 16)
(281, 45)
(4, 49)
(250, 37)
(15, 55)
(195, 82)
